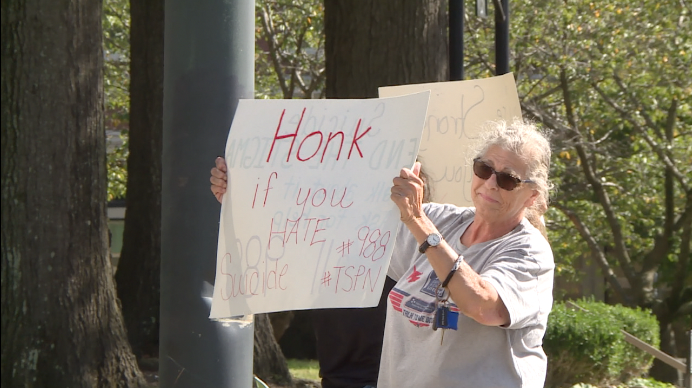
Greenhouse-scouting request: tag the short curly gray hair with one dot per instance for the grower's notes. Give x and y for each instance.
(527, 141)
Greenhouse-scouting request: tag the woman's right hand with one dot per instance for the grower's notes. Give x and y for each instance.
(219, 178)
(408, 193)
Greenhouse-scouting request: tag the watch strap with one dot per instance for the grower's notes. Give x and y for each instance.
(425, 244)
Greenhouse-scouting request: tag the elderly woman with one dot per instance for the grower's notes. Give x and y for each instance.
(474, 285)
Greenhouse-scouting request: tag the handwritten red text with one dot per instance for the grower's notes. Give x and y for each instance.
(310, 151)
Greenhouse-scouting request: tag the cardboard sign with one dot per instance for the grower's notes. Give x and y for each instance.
(456, 115)
(307, 221)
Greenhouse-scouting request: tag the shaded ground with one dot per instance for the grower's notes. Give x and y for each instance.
(150, 369)
(298, 383)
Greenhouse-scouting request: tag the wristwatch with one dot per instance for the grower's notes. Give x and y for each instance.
(433, 240)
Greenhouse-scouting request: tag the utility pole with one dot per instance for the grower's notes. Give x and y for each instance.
(208, 66)
(456, 40)
(456, 36)
(501, 37)
(688, 373)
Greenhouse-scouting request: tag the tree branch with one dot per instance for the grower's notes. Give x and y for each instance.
(545, 94)
(596, 252)
(662, 154)
(483, 60)
(270, 35)
(604, 199)
(640, 107)
(295, 74)
(683, 268)
(663, 239)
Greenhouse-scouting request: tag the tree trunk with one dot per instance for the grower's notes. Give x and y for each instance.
(383, 42)
(61, 324)
(660, 370)
(280, 321)
(269, 363)
(140, 260)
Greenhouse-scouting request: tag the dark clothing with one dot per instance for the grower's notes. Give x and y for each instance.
(349, 343)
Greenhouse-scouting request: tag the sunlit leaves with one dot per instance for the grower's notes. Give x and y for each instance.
(289, 52)
(116, 83)
(606, 76)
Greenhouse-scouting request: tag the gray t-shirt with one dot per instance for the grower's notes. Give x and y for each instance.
(520, 267)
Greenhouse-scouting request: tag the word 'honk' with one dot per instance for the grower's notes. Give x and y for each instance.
(332, 136)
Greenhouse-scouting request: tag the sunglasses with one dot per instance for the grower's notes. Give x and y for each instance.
(505, 180)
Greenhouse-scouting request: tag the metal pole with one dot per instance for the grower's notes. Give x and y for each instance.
(688, 372)
(456, 40)
(208, 66)
(501, 37)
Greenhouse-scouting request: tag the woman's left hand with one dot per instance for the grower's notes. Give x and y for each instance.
(407, 193)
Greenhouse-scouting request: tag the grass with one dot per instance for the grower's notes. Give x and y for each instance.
(309, 370)
(304, 369)
(636, 382)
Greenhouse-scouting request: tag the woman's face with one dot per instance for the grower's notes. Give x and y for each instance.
(495, 204)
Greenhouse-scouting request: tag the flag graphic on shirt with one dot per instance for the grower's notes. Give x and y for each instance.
(395, 298)
(419, 312)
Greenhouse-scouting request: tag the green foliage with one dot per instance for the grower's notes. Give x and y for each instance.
(117, 165)
(639, 382)
(289, 49)
(304, 369)
(116, 83)
(611, 79)
(587, 345)
(636, 382)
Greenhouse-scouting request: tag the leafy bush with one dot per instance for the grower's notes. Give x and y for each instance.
(587, 346)
(636, 382)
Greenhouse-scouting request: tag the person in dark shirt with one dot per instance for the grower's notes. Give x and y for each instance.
(349, 343)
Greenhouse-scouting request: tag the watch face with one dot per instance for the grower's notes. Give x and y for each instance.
(434, 239)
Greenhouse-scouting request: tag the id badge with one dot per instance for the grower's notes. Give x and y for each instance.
(445, 318)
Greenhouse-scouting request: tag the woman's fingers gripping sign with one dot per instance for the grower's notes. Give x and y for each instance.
(407, 193)
(219, 178)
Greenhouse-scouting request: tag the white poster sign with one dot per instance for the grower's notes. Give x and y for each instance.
(456, 114)
(307, 221)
